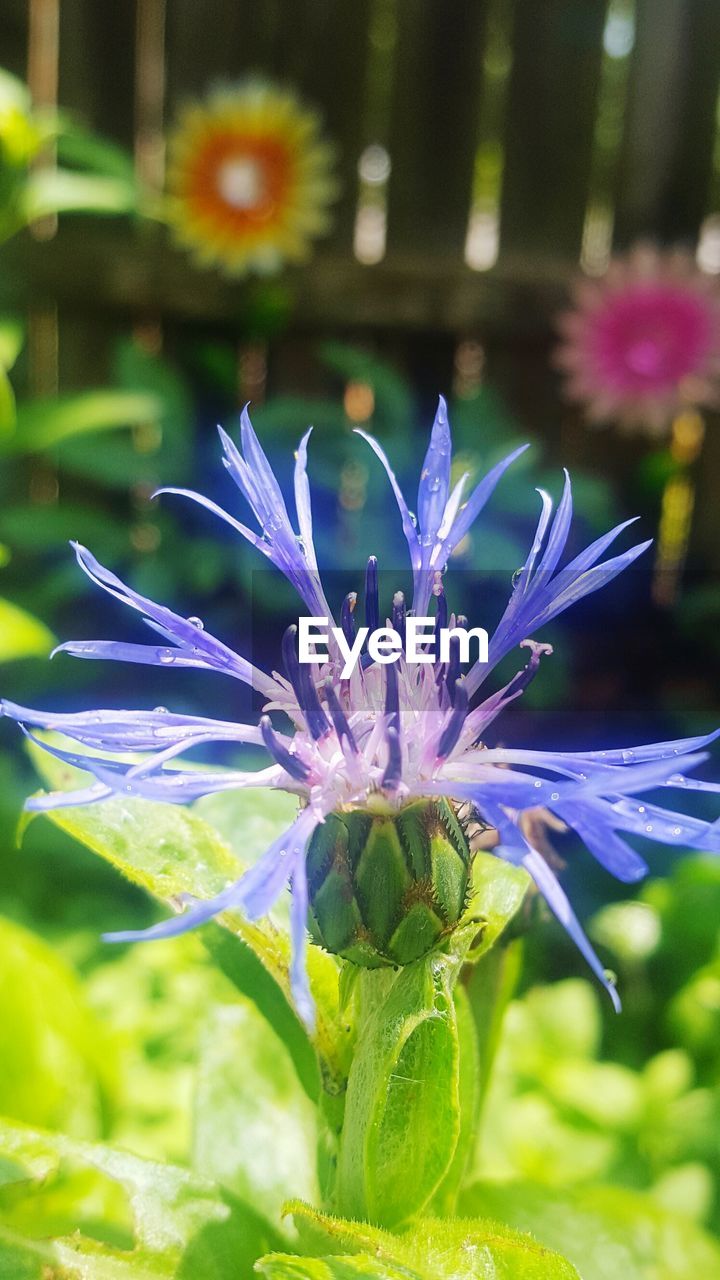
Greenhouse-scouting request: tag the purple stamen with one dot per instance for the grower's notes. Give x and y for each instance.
(372, 601)
(528, 673)
(315, 718)
(398, 614)
(393, 771)
(453, 728)
(339, 719)
(303, 687)
(392, 697)
(441, 612)
(291, 663)
(453, 670)
(292, 764)
(347, 619)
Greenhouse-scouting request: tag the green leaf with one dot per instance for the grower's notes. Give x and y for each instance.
(244, 968)
(78, 1258)
(52, 1061)
(52, 190)
(78, 147)
(166, 849)
(164, 443)
(184, 1225)
(254, 1128)
(431, 1249)
(169, 850)
(21, 635)
(12, 339)
(248, 821)
(283, 1266)
(469, 1096)
(8, 410)
(43, 423)
(402, 1115)
(498, 892)
(607, 1232)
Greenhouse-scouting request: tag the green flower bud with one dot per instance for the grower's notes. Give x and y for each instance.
(386, 888)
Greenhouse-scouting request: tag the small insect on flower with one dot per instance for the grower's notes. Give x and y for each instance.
(642, 343)
(249, 179)
(393, 767)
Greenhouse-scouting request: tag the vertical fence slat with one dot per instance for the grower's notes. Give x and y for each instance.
(557, 54)
(97, 65)
(212, 41)
(670, 124)
(324, 52)
(434, 125)
(15, 36)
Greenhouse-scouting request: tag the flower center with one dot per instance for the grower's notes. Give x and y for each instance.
(645, 357)
(240, 182)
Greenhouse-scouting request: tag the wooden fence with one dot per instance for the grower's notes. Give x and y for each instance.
(516, 139)
(521, 134)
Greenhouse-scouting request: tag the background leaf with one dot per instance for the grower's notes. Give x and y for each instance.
(42, 423)
(183, 1225)
(254, 1128)
(607, 1232)
(21, 635)
(52, 1056)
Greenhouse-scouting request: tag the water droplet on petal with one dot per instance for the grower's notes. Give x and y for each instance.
(160, 711)
(641, 808)
(197, 623)
(166, 656)
(649, 827)
(628, 756)
(677, 831)
(554, 795)
(537, 783)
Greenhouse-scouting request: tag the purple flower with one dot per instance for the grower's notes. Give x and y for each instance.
(390, 733)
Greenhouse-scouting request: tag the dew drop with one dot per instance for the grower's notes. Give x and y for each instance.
(537, 783)
(516, 577)
(197, 623)
(554, 795)
(641, 808)
(628, 756)
(649, 827)
(677, 831)
(160, 711)
(166, 656)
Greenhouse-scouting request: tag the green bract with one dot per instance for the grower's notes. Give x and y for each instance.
(385, 889)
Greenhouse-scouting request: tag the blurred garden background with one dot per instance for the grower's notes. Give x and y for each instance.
(465, 163)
